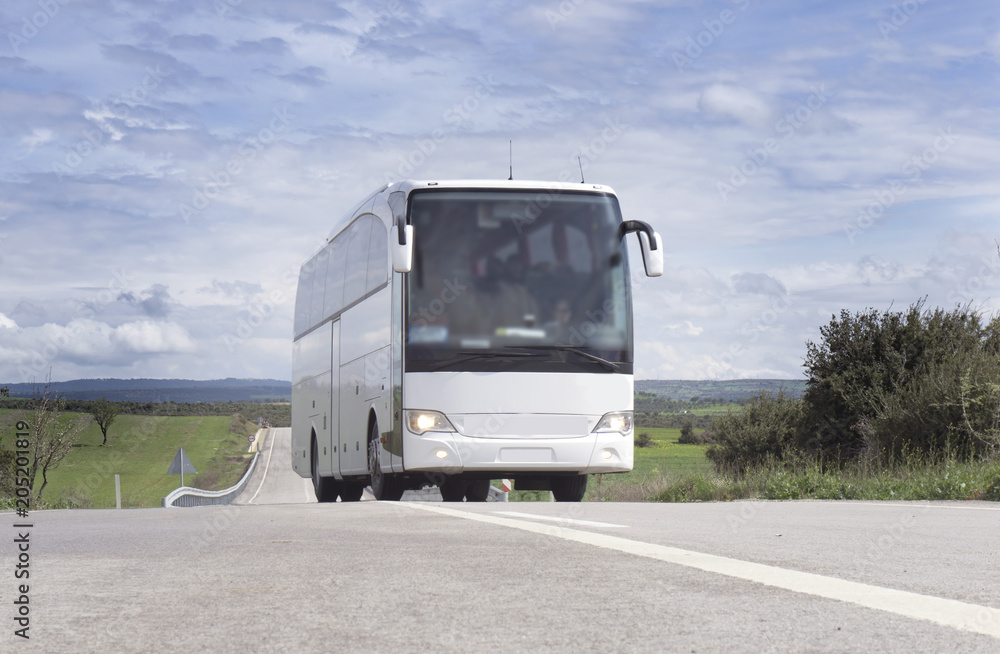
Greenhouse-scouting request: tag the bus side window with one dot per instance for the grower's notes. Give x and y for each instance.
(357, 259)
(378, 256)
(303, 298)
(334, 299)
(319, 282)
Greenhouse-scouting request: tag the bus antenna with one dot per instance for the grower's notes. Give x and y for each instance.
(580, 161)
(510, 159)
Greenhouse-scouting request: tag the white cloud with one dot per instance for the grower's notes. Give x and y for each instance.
(687, 328)
(38, 136)
(148, 337)
(357, 117)
(737, 102)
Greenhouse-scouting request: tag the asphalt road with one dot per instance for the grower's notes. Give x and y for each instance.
(273, 481)
(280, 574)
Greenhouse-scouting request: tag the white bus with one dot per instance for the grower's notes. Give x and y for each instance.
(449, 333)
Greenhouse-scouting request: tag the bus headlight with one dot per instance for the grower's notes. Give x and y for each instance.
(619, 421)
(424, 421)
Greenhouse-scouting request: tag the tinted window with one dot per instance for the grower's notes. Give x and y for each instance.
(359, 234)
(334, 299)
(319, 283)
(302, 299)
(496, 271)
(378, 256)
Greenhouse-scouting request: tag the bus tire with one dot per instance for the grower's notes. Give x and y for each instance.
(326, 488)
(384, 487)
(453, 489)
(477, 491)
(569, 489)
(351, 492)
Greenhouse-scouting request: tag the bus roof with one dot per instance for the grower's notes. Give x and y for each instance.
(408, 185)
(507, 184)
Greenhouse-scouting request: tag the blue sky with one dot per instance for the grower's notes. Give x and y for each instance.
(165, 167)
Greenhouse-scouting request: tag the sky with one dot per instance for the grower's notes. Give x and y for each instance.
(166, 166)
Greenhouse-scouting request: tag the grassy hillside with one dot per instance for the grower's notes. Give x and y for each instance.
(140, 450)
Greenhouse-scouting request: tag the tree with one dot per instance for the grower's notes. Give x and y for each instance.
(51, 437)
(104, 413)
(884, 384)
(760, 434)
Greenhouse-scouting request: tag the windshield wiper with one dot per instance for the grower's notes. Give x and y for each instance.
(461, 357)
(610, 365)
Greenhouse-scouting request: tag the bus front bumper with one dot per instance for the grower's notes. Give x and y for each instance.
(454, 453)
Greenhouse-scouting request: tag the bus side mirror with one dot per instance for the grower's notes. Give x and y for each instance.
(649, 241)
(401, 246)
(652, 254)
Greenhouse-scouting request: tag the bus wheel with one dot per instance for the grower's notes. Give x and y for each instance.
(326, 487)
(384, 487)
(453, 489)
(477, 490)
(351, 492)
(569, 489)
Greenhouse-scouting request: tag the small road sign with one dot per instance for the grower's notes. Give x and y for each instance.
(181, 465)
(252, 437)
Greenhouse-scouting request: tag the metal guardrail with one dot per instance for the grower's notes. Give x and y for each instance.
(188, 496)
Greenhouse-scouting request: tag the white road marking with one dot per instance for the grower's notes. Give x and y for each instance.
(962, 507)
(946, 612)
(264, 476)
(562, 521)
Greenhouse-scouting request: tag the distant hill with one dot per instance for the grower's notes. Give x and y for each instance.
(252, 390)
(165, 390)
(730, 389)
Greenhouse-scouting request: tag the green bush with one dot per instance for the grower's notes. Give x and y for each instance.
(644, 439)
(760, 434)
(884, 383)
(687, 433)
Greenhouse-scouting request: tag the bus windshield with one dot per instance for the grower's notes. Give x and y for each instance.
(517, 280)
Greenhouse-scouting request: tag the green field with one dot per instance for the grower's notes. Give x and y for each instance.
(140, 450)
(666, 459)
(654, 467)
